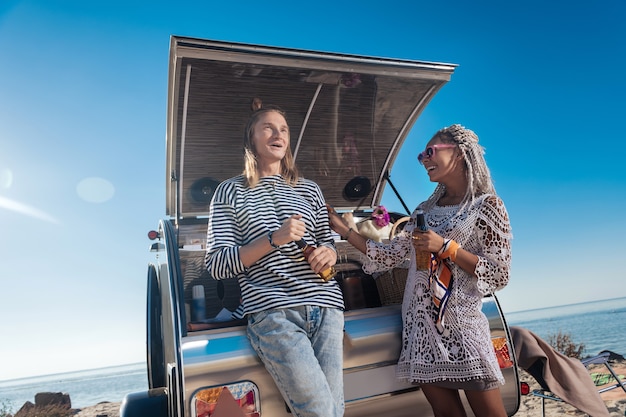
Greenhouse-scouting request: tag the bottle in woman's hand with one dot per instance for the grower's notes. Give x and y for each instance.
(422, 258)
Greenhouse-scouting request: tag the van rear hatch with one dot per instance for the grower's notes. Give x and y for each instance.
(349, 116)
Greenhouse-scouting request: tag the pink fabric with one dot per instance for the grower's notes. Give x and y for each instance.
(565, 377)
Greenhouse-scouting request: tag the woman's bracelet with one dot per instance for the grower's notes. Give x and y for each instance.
(449, 250)
(443, 246)
(347, 235)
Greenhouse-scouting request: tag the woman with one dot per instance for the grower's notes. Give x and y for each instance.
(295, 318)
(446, 338)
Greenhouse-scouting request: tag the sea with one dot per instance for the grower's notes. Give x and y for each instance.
(598, 325)
(86, 388)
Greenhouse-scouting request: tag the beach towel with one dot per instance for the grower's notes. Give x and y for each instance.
(565, 377)
(600, 379)
(440, 287)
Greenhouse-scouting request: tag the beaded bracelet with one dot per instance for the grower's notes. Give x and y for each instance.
(449, 250)
(272, 244)
(347, 234)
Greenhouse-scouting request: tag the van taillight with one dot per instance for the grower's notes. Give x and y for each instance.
(524, 388)
(232, 400)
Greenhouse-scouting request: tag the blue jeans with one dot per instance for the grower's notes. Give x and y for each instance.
(302, 348)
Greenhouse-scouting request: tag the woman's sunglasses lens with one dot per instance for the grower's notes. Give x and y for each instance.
(429, 152)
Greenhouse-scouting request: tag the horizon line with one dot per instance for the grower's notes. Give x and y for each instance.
(565, 305)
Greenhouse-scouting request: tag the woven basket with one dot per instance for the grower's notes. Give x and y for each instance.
(391, 286)
(391, 283)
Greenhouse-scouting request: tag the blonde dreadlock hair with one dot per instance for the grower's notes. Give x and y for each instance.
(478, 175)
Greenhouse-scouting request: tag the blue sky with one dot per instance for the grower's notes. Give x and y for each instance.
(83, 88)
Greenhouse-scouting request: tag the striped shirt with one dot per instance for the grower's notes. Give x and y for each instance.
(282, 278)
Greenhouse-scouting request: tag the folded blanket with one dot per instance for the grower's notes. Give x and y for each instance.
(565, 377)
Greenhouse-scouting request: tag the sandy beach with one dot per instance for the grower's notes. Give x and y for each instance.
(100, 410)
(615, 399)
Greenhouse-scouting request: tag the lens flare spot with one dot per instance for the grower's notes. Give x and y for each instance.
(95, 190)
(6, 178)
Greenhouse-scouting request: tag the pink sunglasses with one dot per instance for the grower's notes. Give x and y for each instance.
(429, 152)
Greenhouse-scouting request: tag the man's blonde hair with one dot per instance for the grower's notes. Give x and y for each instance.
(288, 168)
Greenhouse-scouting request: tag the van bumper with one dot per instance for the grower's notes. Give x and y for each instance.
(151, 403)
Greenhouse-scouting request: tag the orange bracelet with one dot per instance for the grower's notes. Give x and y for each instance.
(451, 250)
